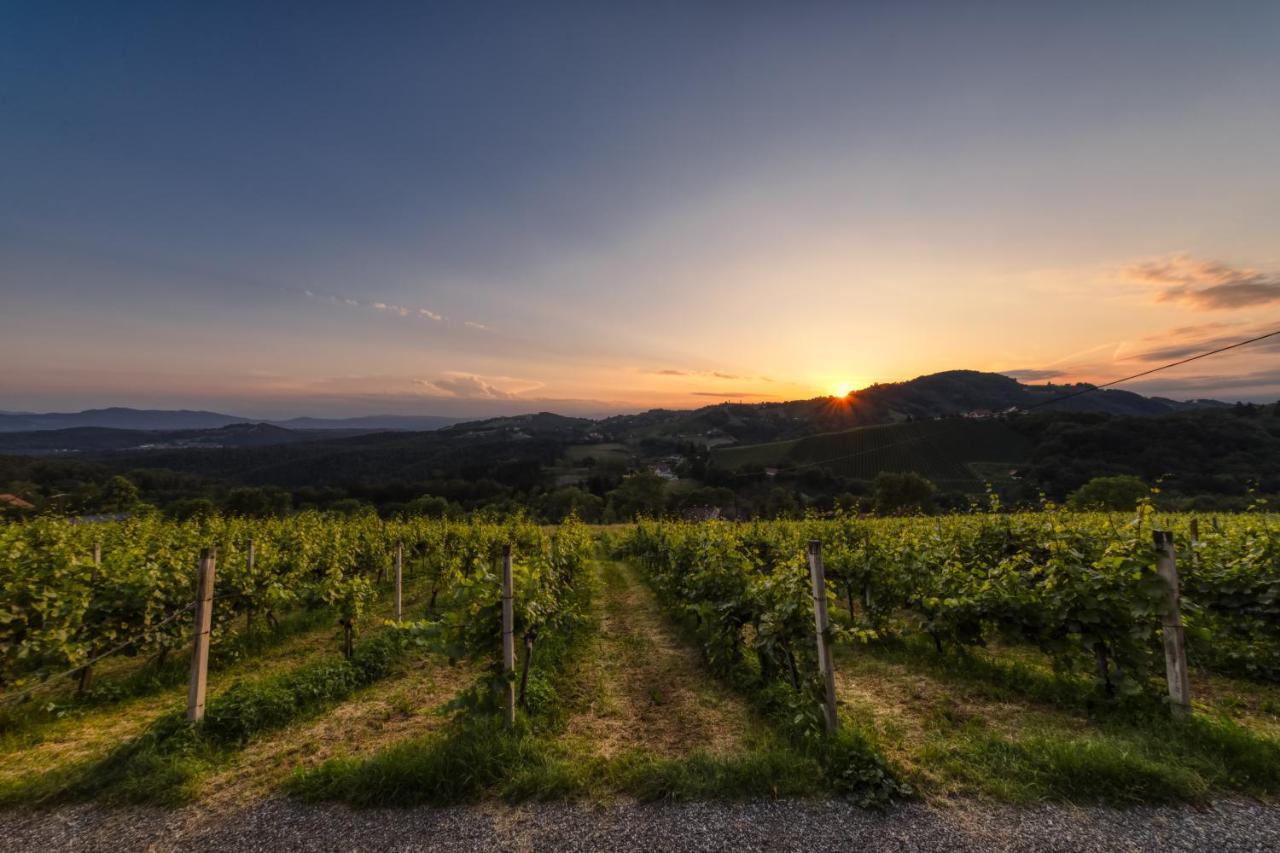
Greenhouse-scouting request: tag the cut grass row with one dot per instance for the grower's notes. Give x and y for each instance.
(121, 679)
(1001, 726)
(622, 705)
(107, 750)
(477, 757)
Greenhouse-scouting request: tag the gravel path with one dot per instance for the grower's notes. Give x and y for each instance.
(283, 825)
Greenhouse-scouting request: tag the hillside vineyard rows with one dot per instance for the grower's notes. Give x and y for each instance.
(1062, 612)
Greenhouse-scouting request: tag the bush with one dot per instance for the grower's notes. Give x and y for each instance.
(898, 494)
(1120, 493)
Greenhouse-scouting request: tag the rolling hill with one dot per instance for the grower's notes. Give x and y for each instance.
(955, 454)
(181, 419)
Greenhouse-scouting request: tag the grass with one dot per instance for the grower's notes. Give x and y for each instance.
(123, 679)
(45, 750)
(943, 451)
(999, 726)
(578, 453)
(624, 706)
(480, 758)
(628, 711)
(162, 763)
(119, 680)
(847, 761)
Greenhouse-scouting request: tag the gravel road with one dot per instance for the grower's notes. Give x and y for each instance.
(283, 825)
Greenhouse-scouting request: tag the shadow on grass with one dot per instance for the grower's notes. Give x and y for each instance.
(1079, 746)
(162, 765)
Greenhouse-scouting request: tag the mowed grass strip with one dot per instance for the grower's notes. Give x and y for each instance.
(977, 725)
(129, 690)
(143, 750)
(637, 686)
(583, 738)
(50, 747)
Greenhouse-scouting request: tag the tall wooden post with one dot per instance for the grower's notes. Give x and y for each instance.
(818, 576)
(250, 558)
(86, 674)
(508, 639)
(399, 576)
(200, 635)
(1175, 648)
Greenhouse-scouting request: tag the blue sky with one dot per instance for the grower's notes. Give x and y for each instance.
(330, 208)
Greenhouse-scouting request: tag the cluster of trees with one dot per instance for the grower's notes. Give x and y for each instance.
(1211, 460)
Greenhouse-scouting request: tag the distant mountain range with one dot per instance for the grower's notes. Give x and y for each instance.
(442, 442)
(183, 419)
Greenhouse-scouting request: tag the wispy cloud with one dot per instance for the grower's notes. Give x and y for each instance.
(1264, 383)
(706, 374)
(470, 386)
(419, 313)
(1032, 374)
(1206, 284)
(1190, 340)
(728, 395)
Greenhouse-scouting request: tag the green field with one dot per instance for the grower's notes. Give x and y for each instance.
(578, 453)
(955, 454)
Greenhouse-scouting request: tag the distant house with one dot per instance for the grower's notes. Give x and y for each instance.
(13, 502)
(663, 470)
(701, 513)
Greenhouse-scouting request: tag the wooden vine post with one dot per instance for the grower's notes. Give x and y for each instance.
(200, 635)
(819, 579)
(399, 576)
(1175, 647)
(508, 640)
(86, 674)
(249, 559)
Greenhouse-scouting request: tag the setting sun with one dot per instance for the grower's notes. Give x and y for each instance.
(842, 388)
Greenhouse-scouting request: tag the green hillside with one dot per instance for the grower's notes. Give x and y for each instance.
(955, 453)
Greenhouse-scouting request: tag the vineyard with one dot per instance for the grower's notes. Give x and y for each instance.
(1019, 656)
(942, 451)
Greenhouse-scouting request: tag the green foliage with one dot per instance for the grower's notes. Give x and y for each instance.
(160, 765)
(58, 610)
(903, 493)
(1081, 587)
(258, 502)
(745, 593)
(1119, 494)
(639, 495)
(120, 495)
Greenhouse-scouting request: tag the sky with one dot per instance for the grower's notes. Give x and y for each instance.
(278, 209)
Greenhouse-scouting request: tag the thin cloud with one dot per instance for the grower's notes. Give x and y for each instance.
(727, 395)
(469, 386)
(389, 308)
(1031, 374)
(1198, 339)
(1209, 384)
(1205, 284)
(708, 374)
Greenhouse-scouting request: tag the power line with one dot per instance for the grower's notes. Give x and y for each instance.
(1178, 363)
(1057, 399)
